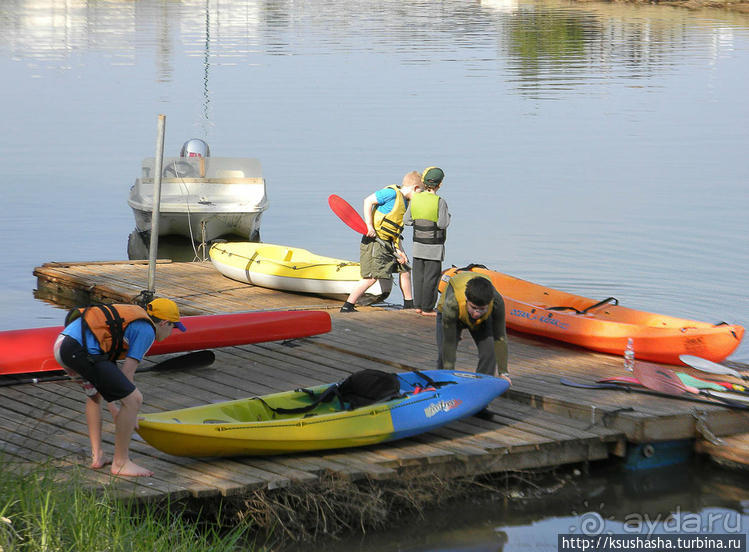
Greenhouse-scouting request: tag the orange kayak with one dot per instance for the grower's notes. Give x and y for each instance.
(604, 325)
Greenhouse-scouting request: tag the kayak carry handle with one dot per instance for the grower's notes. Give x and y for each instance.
(613, 300)
(606, 301)
(469, 267)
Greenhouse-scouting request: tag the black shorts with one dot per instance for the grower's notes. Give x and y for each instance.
(104, 375)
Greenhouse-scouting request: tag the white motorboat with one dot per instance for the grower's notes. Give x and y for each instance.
(202, 197)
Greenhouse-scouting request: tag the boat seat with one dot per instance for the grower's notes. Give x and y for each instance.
(180, 169)
(229, 173)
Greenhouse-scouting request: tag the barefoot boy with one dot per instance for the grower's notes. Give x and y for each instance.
(88, 348)
(430, 218)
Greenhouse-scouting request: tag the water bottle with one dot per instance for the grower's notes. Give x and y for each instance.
(629, 356)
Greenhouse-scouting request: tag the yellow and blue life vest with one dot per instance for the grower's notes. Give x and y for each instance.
(389, 226)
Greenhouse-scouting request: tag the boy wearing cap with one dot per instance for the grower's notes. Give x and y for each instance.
(430, 218)
(381, 253)
(89, 346)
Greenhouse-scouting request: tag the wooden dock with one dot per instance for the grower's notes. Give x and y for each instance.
(538, 423)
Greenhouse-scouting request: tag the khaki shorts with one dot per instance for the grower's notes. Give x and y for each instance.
(378, 259)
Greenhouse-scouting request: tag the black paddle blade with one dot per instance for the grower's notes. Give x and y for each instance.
(7, 381)
(195, 359)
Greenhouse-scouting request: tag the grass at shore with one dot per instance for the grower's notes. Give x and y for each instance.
(39, 513)
(50, 510)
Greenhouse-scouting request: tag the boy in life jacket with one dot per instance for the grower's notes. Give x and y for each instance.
(89, 347)
(381, 252)
(429, 216)
(471, 302)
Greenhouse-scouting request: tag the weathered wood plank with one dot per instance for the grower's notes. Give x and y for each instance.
(537, 423)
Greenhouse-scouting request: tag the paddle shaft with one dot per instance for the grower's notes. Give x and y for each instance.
(714, 385)
(194, 359)
(630, 389)
(353, 220)
(687, 380)
(665, 380)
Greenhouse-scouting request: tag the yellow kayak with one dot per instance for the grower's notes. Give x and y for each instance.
(293, 269)
(256, 426)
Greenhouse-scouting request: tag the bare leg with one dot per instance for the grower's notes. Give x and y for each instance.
(93, 420)
(405, 279)
(359, 290)
(113, 410)
(124, 426)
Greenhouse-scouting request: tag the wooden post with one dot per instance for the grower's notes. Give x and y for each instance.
(154, 246)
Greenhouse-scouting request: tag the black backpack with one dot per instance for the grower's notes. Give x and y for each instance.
(369, 387)
(359, 389)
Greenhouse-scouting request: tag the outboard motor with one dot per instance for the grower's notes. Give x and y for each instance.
(195, 147)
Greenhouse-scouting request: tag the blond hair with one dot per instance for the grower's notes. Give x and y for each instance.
(412, 180)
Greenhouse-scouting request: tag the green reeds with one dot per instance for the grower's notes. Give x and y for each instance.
(39, 512)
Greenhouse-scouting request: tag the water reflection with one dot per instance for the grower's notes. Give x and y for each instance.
(685, 500)
(176, 248)
(543, 43)
(598, 148)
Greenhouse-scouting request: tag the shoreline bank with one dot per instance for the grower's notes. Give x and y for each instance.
(737, 6)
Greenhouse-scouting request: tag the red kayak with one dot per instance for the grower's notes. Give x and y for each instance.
(29, 351)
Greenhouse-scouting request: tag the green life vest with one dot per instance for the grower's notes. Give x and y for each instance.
(425, 214)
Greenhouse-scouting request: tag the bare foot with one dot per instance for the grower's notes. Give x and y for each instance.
(99, 462)
(428, 313)
(131, 469)
(417, 311)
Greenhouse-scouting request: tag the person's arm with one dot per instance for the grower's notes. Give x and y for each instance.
(407, 218)
(443, 217)
(400, 252)
(450, 332)
(140, 335)
(500, 335)
(129, 366)
(368, 209)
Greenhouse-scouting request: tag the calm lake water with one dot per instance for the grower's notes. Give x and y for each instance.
(600, 149)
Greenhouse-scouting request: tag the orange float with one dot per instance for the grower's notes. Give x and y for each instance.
(606, 326)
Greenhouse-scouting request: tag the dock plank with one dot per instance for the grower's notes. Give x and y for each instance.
(537, 423)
